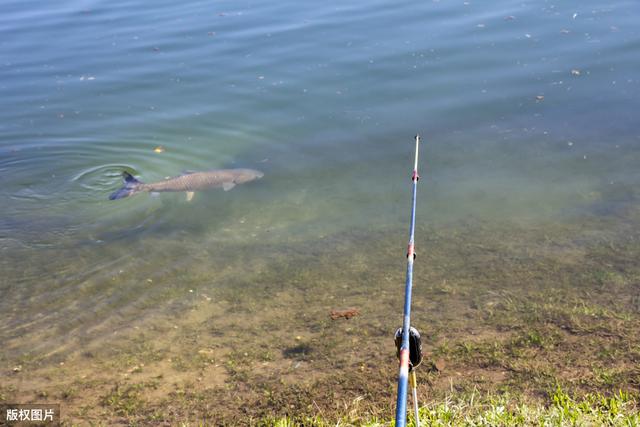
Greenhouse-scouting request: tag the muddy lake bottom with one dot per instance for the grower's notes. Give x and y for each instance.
(502, 308)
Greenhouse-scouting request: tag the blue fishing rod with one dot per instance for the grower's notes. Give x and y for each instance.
(408, 338)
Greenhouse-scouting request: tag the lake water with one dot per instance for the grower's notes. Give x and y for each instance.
(528, 113)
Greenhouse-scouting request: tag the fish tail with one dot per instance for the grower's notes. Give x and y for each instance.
(129, 188)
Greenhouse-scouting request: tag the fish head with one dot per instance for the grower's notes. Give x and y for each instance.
(246, 175)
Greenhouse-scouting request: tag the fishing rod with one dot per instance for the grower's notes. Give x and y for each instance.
(408, 338)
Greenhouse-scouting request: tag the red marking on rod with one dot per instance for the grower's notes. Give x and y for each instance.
(411, 251)
(404, 358)
(415, 176)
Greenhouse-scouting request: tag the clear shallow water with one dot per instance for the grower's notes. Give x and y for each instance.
(324, 98)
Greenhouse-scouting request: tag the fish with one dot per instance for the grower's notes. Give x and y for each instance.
(189, 182)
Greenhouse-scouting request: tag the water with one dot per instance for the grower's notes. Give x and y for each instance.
(528, 113)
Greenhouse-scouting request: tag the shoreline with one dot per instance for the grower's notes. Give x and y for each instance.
(504, 310)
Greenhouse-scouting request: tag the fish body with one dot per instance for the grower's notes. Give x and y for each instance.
(189, 182)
